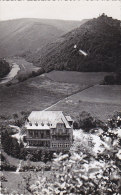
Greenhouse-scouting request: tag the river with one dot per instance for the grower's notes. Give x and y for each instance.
(11, 74)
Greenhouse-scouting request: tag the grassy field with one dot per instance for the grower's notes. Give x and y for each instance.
(40, 92)
(100, 101)
(33, 94)
(82, 78)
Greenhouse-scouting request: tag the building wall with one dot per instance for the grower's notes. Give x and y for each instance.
(59, 138)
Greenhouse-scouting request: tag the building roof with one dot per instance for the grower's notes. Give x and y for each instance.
(69, 118)
(46, 120)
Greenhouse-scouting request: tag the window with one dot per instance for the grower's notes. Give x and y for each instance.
(30, 132)
(36, 133)
(42, 124)
(53, 145)
(30, 124)
(66, 145)
(36, 123)
(48, 124)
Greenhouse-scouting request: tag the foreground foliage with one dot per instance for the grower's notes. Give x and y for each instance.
(93, 166)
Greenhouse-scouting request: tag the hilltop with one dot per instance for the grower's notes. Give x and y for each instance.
(94, 46)
(21, 36)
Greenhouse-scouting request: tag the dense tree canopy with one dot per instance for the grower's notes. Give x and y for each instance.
(4, 68)
(99, 38)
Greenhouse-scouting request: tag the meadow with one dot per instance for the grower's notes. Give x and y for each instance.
(81, 89)
(101, 101)
(42, 91)
(35, 93)
(83, 78)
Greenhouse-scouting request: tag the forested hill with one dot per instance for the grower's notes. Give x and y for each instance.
(21, 36)
(94, 46)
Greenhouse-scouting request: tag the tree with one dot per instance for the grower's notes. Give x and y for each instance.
(109, 80)
(85, 121)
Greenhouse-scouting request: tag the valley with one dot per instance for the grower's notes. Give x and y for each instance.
(27, 35)
(69, 91)
(48, 72)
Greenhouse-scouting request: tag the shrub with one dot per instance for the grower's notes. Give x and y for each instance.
(4, 68)
(115, 121)
(38, 72)
(25, 75)
(86, 121)
(69, 177)
(10, 144)
(5, 165)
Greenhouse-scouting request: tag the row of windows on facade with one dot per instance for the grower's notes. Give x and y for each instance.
(39, 133)
(39, 143)
(47, 144)
(54, 131)
(60, 145)
(54, 137)
(60, 137)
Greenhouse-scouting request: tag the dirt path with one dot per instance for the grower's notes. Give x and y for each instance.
(19, 167)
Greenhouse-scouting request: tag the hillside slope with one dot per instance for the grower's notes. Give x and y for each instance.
(94, 46)
(26, 35)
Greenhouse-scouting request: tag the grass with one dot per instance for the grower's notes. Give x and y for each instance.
(33, 94)
(40, 92)
(36, 93)
(100, 101)
(82, 78)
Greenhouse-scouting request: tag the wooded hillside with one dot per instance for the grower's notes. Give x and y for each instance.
(98, 41)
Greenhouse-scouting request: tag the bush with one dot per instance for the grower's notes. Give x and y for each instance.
(38, 72)
(113, 79)
(109, 80)
(10, 144)
(115, 121)
(68, 176)
(24, 75)
(4, 68)
(86, 121)
(40, 155)
(5, 165)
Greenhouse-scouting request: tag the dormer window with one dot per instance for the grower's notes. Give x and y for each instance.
(36, 123)
(30, 124)
(42, 124)
(48, 124)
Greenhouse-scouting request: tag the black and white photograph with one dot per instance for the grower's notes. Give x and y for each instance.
(60, 97)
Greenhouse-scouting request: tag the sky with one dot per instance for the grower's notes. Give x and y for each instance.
(67, 10)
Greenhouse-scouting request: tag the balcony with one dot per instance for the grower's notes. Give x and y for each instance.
(37, 138)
